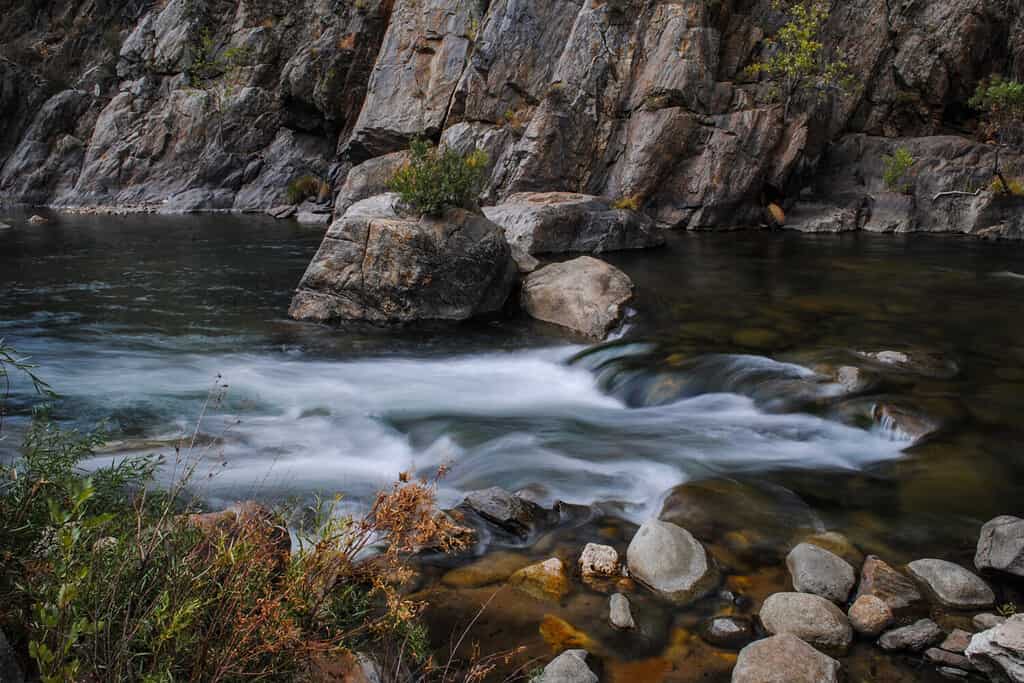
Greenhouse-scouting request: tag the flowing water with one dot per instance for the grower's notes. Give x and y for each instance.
(725, 371)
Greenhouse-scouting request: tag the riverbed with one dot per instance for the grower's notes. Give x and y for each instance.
(172, 329)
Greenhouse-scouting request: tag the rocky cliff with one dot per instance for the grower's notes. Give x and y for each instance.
(218, 104)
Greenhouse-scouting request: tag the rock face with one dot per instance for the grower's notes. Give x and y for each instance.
(670, 561)
(585, 295)
(137, 103)
(809, 617)
(818, 571)
(1001, 546)
(952, 585)
(556, 222)
(568, 667)
(784, 658)
(390, 269)
(999, 652)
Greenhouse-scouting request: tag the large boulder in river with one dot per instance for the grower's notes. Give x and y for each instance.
(811, 618)
(999, 651)
(388, 268)
(669, 560)
(1001, 545)
(784, 659)
(556, 222)
(951, 584)
(586, 295)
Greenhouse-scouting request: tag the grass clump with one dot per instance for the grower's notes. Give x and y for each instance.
(434, 180)
(897, 166)
(630, 203)
(1012, 186)
(305, 187)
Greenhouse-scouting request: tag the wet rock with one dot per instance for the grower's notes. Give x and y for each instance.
(838, 544)
(390, 270)
(10, 671)
(568, 667)
(619, 613)
(810, 618)
(767, 515)
(546, 580)
(784, 658)
(282, 211)
(727, 632)
(999, 651)
(915, 637)
(879, 579)
(311, 218)
(1001, 545)
(598, 561)
(952, 674)
(36, 219)
(818, 571)
(902, 423)
(987, 620)
(956, 641)
(4, 226)
(586, 295)
(670, 561)
(560, 222)
(920, 362)
(870, 615)
(951, 584)
(505, 510)
(942, 657)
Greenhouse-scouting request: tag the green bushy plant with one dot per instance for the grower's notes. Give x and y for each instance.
(433, 181)
(1002, 103)
(799, 61)
(897, 166)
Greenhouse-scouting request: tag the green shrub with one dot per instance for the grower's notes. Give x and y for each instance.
(304, 187)
(1002, 103)
(632, 202)
(896, 168)
(433, 181)
(799, 61)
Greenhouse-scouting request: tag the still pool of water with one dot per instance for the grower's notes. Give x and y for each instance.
(133, 320)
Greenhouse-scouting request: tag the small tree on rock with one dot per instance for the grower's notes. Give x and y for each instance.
(1001, 102)
(799, 61)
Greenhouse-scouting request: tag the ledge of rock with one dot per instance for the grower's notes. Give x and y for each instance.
(585, 295)
(558, 222)
(784, 658)
(391, 269)
(669, 560)
(999, 651)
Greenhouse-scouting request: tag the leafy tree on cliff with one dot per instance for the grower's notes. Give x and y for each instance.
(799, 62)
(1001, 102)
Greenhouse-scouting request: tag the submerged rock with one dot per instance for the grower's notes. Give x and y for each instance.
(619, 613)
(670, 561)
(784, 658)
(818, 571)
(545, 580)
(915, 637)
(568, 667)
(1001, 545)
(727, 632)
(558, 222)
(390, 270)
(586, 295)
(999, 651)
(810, 618)
(951, 584)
